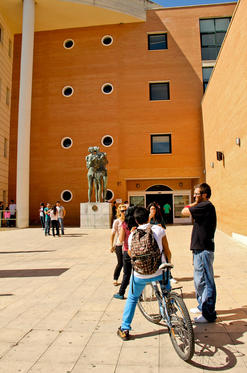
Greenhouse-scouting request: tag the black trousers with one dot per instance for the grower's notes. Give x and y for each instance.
(55, 225)
(127, 267)
(119, 265)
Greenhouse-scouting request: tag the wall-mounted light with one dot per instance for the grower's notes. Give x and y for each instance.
(138, 185)
(180, 184)
(212, 164)
(219, 156)
(238, 142)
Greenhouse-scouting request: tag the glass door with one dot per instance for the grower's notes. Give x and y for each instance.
(180, 200)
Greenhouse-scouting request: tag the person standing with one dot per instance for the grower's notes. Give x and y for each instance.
(1, 212)
(202, 245)
(47, 211)
(61, 214)
(114, 211)
(118, 248)
(42, 215)
(54, 221)
(167, 208)
(12, 208)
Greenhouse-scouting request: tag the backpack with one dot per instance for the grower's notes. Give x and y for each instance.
(145, 252)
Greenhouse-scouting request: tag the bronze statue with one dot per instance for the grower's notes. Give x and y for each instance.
(96, 162)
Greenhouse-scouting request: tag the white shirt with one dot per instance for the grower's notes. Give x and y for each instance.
(12, 208)
(158, 233)
(53, 216)
(116, 227)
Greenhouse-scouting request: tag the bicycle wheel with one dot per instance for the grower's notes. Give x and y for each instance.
(181, 333)
(149, 305)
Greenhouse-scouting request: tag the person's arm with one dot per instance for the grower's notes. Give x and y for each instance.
(186, 210)
(167, 251)
(112, 249)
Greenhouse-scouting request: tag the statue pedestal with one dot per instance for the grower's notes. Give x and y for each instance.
(95, 215)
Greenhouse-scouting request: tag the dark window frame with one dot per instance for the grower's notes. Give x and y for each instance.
(170, 143)
(215, 45)
(151, 84)
(157, 34)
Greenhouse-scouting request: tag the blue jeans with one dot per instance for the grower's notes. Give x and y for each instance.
(47, 225)
(131, 302)
(204, 283)
(61, 225)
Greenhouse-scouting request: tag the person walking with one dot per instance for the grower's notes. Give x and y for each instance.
(128, 225)
(54, 221)
(202, 245)
(47, 211)
(61, 214)
(138, 281)
(42, 215)
(167, 208)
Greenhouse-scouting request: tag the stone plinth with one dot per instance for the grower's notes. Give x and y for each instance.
(95, 215)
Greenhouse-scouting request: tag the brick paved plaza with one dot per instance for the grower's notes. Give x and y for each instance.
(57, 314)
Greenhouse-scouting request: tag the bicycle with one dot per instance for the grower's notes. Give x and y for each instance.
(157, 303)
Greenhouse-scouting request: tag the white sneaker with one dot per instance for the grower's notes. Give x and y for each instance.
(195, 310)
(200, 320)
(173, 280)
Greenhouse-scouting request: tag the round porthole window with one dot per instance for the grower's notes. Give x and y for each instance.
(66, 142)
(68, 44)
(107, 140)
(107, 88)
(67, 91)
(109, 195)
(107, 40)
(66, 195)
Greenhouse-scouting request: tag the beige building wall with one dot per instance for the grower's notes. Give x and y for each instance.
(6, 58)
(224, 116)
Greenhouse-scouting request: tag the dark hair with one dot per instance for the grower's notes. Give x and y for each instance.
(12, 200)
(129, 217)
(158, 215)
(42, 204)
(58, 202)
(205, 189)
(141, 215)
(54, 208)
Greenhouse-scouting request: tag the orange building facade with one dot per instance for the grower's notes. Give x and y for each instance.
(224, 116)
(128, 122)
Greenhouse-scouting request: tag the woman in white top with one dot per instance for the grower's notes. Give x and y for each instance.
(54, 221)
(116, 227)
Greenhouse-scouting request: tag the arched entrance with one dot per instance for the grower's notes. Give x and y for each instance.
(160, 194)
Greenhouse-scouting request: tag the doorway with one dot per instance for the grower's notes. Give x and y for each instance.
(161, 200)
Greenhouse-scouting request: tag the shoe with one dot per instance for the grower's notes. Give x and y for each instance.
(123, 334)
(195, 310)
(118, 296)
(115, 283)
(173, 280)
(200, 320)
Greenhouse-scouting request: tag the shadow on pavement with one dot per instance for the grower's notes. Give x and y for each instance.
(216, 344)
(75, 235)
(26, 251)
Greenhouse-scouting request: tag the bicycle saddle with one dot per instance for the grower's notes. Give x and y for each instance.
(166, 265)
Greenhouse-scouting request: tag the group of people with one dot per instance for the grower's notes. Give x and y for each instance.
(202, 246)
(8, 214)
(52, 217)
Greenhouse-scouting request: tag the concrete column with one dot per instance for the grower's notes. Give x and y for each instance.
(24, 115)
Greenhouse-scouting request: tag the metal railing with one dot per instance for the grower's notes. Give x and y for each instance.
(6, 220)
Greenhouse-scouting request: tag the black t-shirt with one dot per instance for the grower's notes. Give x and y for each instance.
(204, 216)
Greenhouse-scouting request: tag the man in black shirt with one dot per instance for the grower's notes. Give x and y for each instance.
(202, 245)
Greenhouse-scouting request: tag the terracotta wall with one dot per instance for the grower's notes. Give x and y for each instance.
(6, 58)
(224, 115)
(127, 114)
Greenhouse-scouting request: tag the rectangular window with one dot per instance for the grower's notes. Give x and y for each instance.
(7, 96)
(5, 148)
(206, 73)
(157, 41)
(10, 48)
(212, 32)
(161, 144)
(159, 91)
(1, 33)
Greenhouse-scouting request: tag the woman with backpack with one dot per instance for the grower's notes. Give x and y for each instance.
(118, 248)
(127, 227)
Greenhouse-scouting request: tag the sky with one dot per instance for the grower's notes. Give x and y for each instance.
(170, 3)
